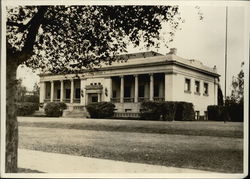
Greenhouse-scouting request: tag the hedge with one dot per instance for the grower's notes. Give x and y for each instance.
(54, 109)
(26, 108)
(101, 109)
(168, 111)
(232, 112)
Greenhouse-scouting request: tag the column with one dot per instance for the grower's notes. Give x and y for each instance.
(215, 91)
(42, 92)
(99, 97)
(72, 91)
(122, 89)
(82, 87)
(110, 89)
(51, 91)
(151, 87)
(62, 90)
(136, 88)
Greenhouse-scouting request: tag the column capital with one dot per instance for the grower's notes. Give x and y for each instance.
(136, 75)
(51, 81)
(61, 80)
(71, 80)
(151, 74)
(121, 76)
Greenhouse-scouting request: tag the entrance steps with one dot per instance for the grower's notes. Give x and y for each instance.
(75, 113)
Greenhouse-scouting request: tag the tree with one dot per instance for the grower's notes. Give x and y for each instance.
(237, 94)
(71, 38)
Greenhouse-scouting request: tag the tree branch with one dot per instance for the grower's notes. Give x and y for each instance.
(33, 27)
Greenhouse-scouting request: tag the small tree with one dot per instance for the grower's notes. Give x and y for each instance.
(237, 93)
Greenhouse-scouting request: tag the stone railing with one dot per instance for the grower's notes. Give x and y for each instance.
(128, 100)
(46, 100)
(76, 100)
(66, 100)
(78, 107)
(159, 99)
(126, 115)
(115, 100)
(142, 99)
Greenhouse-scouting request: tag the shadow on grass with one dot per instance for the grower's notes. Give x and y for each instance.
(26, 170)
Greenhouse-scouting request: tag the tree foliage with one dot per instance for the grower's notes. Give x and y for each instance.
(70, 38)
(237, 93)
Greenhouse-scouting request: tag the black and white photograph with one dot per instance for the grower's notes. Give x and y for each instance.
(124, 89)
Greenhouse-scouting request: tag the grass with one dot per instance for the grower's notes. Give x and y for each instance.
(178, 144)
(218, 129)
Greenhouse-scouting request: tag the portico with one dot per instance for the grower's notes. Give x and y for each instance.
(123, 89)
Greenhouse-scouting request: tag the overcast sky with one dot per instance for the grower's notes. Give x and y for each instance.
(203, 40)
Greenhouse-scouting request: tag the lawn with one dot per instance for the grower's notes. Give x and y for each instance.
(212, 146)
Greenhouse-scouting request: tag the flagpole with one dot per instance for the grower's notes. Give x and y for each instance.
(226, 55)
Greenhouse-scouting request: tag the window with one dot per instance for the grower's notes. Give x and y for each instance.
(206, 89)
(127, 91)
(197, 87)
(91, 83)
(67, 94)
(156, 90)
(114, 94)
(77, 93)
(141, 91)
(187, 85)
(99, 83)
(197, 115)
(58, 94)
(95, 83)
(94, 99)
(128, 110)
(205, 115)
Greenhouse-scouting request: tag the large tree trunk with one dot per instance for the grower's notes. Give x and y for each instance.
(11, 119)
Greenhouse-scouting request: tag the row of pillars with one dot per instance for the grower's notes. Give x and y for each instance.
(62, 90)
(151, 88)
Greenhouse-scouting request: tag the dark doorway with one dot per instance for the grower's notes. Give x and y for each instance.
(67, 94)
(141, 90)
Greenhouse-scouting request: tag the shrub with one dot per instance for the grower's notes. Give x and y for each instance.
(235, 112)
(150, 110)
(26, 108)
(101, 109)
(184, 111)
(167, 111)
(54, 109)
(217, 113)
(230, 112)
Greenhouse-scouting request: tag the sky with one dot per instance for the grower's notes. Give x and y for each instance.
(202, 40)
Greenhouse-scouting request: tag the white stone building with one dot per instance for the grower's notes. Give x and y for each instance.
(144, 76)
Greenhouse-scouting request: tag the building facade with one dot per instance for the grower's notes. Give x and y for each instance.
(141, 77)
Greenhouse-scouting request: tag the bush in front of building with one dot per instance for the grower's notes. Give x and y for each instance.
(167, 111)
(232, 112)
(235, 112)
(184, 111)
(54, 109)
(26, 108)
(101, 109)
(151, 110)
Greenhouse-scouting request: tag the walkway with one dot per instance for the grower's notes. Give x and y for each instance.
(62, 163)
